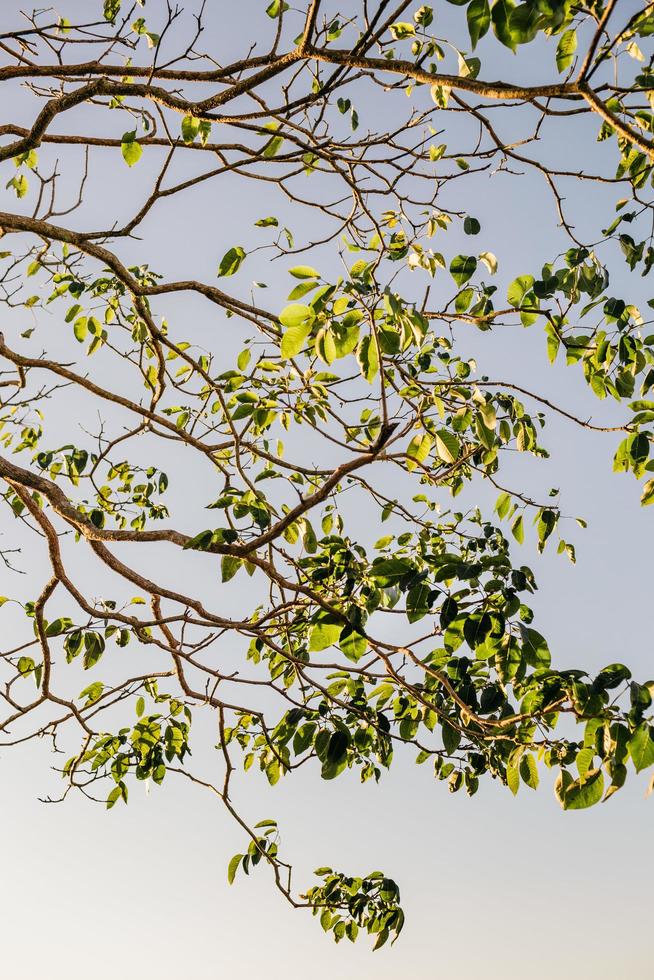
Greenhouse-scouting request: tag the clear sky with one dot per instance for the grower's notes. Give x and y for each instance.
(493, 886)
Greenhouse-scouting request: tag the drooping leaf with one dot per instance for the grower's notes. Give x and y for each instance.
(131, 148)
(641, 747)
(579, 794)
(565, 49)
(298, 320)
(479, 19)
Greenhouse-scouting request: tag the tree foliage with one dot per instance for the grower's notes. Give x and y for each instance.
(327, 438)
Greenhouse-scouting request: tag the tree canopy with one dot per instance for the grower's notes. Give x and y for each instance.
(303, 459)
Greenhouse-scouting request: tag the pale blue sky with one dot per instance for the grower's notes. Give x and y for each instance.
(507, 888)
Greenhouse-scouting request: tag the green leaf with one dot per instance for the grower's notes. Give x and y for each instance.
(353, 644)
(389, 571)
(502, 505)
(201, 541)
(231, 261)
(519, 289)
(584, 792)
(276, 8)
(612, 676)
(339, 743)
(535, 648)
(304, 272)
(130, 148)
(529, 770)
(424, 15)
(298, 320)
(565, 49)
(119, 792)
(92, 693)
(553, 343)
(93, 649)
(272, 147)
(585, 761)
(518, 529)
(436, 152)
(513, 775)
(80, 328)
(229, 566)
(462, 267)
(295, 315)
(20, 185)
(58, 626)
(564, 779)
(368, 358)
(547, 521)
(325, 346)
(500, 14)
(304, 737)
(463, 300)
(479, 18)
(647, 496)
(418, 450)
(25, 666)
(114, 795)
(324, 634)
(232, 867)
(402, 30)
(335, 758)
(641, 747)
(190, 128)
(447, 446)
(111, 9)
(451, 737)
(418, 602)
(303, 288)
(524, 22)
